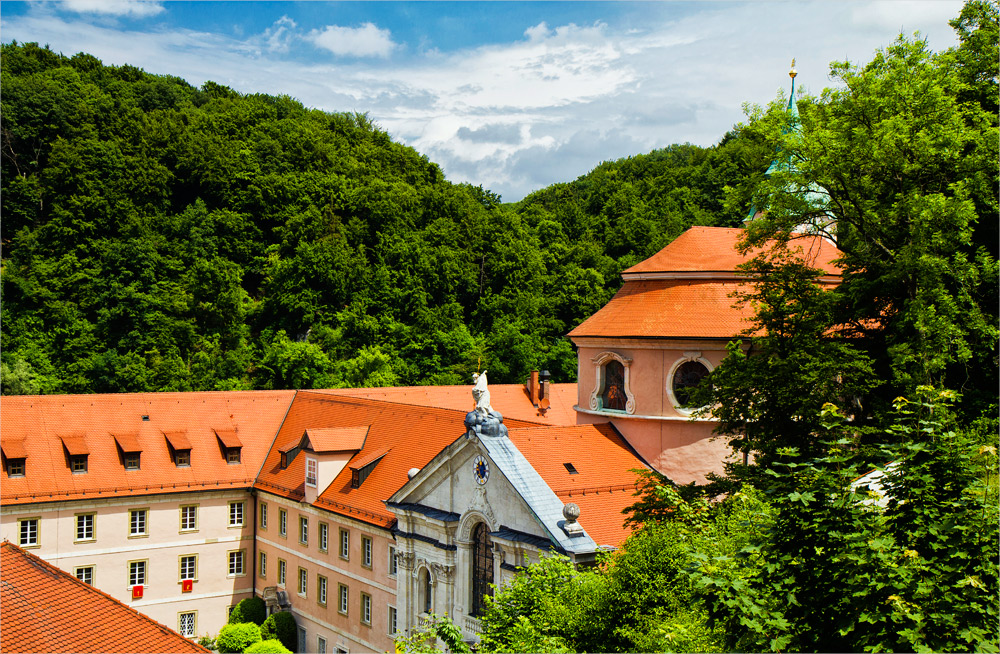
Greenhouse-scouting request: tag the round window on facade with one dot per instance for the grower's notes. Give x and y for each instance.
(687, 377)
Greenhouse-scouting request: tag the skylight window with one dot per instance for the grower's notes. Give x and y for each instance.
(571, 469)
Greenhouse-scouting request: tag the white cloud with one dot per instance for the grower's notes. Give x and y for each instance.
(547, 107)
(135, 8)
(365, 41)
(279, 36)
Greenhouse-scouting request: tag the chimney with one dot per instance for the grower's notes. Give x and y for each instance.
(543, 390)
(532, 387)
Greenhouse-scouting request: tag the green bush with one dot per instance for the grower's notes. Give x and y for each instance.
(235, 638)
(281, 626)
(251, 609)
(269, 646)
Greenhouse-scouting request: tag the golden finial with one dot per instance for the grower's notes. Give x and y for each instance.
(792, 73)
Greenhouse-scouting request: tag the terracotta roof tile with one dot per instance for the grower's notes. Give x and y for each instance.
(337, 439)
(14, 449)
(602, 484)
(47, 610)
(129, 442)
(76, 444)
(509, 399)
(178, 440)
(412, 434)
(228, 438)
(713, 249)
(40, 422)
(687, 308)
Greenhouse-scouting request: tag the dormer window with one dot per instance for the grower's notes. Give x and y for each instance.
(15, 454)
(180, 448)
(128, 445)
(15, 467)
(231, 445)
(77, 451)
(363, 467)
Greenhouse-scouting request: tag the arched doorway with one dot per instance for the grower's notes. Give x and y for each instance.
(482, 567)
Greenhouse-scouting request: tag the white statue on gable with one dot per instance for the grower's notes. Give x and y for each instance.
(480, 393)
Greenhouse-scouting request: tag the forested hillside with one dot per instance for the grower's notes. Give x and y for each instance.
(158, 236)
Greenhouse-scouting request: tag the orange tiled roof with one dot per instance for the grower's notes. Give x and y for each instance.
(43, 424)
(666, 308)
(411, 434)
(47, 610)
(603, 482)
(713, 249)
(337, 439)
(511, 400)
(652, 303)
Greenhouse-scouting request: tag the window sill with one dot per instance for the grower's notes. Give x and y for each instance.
(131, 536)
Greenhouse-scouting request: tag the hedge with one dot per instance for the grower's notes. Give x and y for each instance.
(269, 646)
(235, 638)
(281, 626)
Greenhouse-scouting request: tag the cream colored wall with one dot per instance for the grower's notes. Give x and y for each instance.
(112, 549)
(346, 632)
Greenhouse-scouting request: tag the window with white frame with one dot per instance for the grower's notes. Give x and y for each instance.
(392, 561)
(84, 527)
(321, 589)
(321, 645)
(189, 567)
(27, 529)
(324, 536)
(236, 514)
(236, 563)
(311, 472)
(137, 522)
(78, 464)
(136, 573)
(263, 515)
(303, 582)
(131, 460)
(303, 530)
(282, 569)
(345, 544)
(187, 624)
(366, 552)
(262, 567)
(85, 573)
(366, 609)
(392, 620)
(344, 597)
(282, 522)
(685, 376)
(189, 517)
(612, 391)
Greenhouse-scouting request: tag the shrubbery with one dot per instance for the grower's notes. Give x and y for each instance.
(269, 646)
(251, 609)
(280, 626)
(236, 638)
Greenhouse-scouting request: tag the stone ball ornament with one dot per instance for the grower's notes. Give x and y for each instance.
(571, 512)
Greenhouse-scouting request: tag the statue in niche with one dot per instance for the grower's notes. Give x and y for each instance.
(481, 393)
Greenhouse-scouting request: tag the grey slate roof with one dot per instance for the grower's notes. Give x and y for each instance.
(544, 504)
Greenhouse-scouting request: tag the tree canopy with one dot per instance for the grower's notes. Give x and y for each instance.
(162, 237)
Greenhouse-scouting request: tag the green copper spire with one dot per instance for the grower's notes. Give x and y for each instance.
(779, 162)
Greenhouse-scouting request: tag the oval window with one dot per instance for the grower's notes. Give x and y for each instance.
(687, 377)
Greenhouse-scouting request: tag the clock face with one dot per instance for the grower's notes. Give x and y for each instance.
(481, 469)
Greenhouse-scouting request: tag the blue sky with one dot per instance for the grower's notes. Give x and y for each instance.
(511, 95)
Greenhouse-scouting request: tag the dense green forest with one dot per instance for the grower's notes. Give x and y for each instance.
(158, 236)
